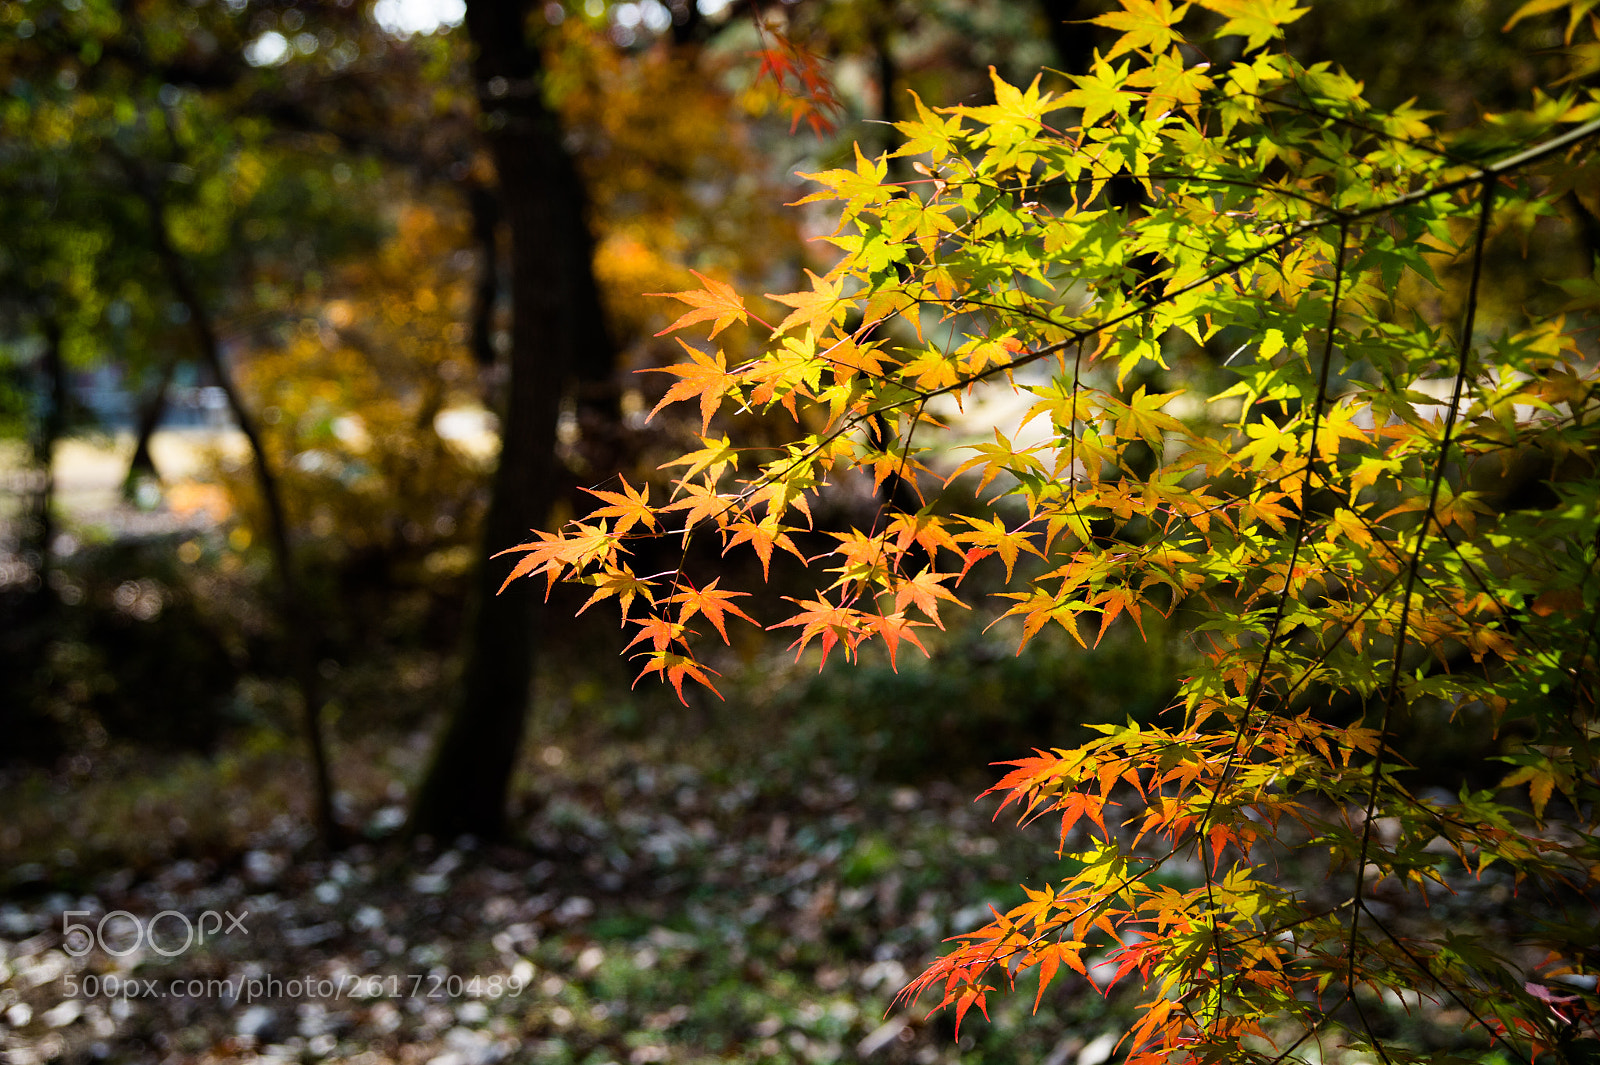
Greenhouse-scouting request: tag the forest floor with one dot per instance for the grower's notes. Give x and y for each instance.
(651, 910)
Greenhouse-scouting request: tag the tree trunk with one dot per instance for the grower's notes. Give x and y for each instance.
(1074, 39)
(142, 465)
(27, 622)
(42, 529)
(557, 334)
(485, 207)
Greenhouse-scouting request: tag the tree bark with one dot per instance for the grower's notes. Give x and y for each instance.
(485, 207)
(557, 335)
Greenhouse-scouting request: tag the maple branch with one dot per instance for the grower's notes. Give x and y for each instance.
(1426, 970)
(1298, 230)
(1486, 202)
(1438, 150)
(1286, 594)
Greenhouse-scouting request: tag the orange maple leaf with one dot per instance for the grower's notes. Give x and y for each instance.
(555, 553)
(894, 628)
(762, 536)
(924, 592)
(804, 88)
(810, 308)
(659, 631)
(619, 582)
(705, 376)
(923, 529)
(1050, 959)
(820, 619)
(710, 601)
(628, 507)
(674, 668)
(992, 537)
(717, 456)
(701, 503)
(969, 998)
(716, 301)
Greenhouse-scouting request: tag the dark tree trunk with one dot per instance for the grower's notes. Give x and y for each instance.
(42, 527)
(27, 622)
(1074, 40)
(887, 72)
(485, 208)
(688, 24)
(557, 335)
(141, 465)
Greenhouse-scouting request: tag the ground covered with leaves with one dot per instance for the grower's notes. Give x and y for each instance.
(652, 910)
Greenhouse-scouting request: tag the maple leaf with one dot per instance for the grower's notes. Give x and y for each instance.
(925, 530)
(717, 303)
(992, 537)
(1542, 778)
(784, 373)
(820, 305)
(1112, 602)
(1257, 20)
(674, 668)
(932, 370)
(1037, 911)
(806, 91)
(1101, 92)
(859, 187)
(701, 503)
(553, 554)
(1173, 84)
(718, 455)
(1049, 960)
(820, 619)
(1145, 24)
(710, 601)
(619, 582)
(865, 558)
(659, 631)
(894, 628)
(705, 376)
(1038, 608)
(628, 507)
(924, 592)
(762, 536)
(849, 359)
(968, 999)
(999, 457)
(1142, 417)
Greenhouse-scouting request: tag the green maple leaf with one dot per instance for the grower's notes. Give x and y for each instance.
(1257, 20)
(1100, 92)
(1145, 24)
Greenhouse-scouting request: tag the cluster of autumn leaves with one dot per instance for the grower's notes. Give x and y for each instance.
(1328, 536)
